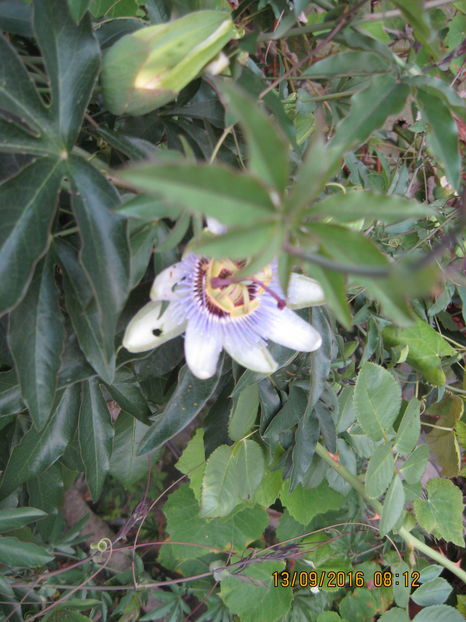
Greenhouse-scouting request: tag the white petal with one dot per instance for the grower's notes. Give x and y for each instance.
(304, 292)
(202, 351)
(139, 334)
(164, 283)
(288, 329)
(214, 226)
(255, 357)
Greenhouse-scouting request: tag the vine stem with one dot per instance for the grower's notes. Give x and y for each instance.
(411, 541)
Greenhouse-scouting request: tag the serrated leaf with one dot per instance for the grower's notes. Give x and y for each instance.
(269, 488)
(231, 474)
(252, 596)
(38, 450)
(232, 533)
(14, 518)
(104, 250)
(401, 591)
(231, 197)
(19, 554)
(355, 205)
(72, 57)
(125, 464)
(377, 400)
(444, 135)
(95, 433)
(439, 613)
(36, 336)
(393, 506)
(434, 592)
(304, 504)
(379, 471)
(268, 151)
(441, 513)
(188, 399)
(244, 412)
(409, 428)
(369, 109)
(28, 205)
(442, 440)
(414, 467)
(426, 347)
(394, 615)
(192, 462)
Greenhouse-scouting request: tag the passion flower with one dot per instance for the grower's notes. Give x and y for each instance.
(217, 310)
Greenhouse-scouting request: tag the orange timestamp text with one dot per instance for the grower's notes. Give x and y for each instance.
(336, 579)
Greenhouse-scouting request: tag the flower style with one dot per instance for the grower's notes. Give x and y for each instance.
(217, 310)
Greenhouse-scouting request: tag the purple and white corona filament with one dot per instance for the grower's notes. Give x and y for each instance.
(218, 311)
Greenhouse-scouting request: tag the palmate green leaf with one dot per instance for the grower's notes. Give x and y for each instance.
(10, 394)
(370, 108)
(18, 94)
(235, 199)
(104, 252)
(231, 474)
(19, 554)
(440, 89)
(36, 451)
(409, 429)
(95, 432)
(334, 288)
(234, 532)
(125, 464)
(348, 64)
(14, 518)
(393, 506)
(72, 57)
(77, 8)
(15, 18)
(188, 399)
(426, 347)
(441, 513)
(14, 139)
(82, 308)
(377, 400)
(268, 150)
(354, 205)
(418, 18)
(251, 594)
(444, 135)
(36, 337)
(28, 205)
(379, 471)
(318, 167)
(127, 392)
(244, 412)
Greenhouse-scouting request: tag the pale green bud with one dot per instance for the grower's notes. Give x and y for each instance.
(148, 68)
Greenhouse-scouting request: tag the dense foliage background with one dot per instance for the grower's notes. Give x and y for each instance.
(333, 142)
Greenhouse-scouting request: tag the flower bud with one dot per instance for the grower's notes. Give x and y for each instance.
(146, 69)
